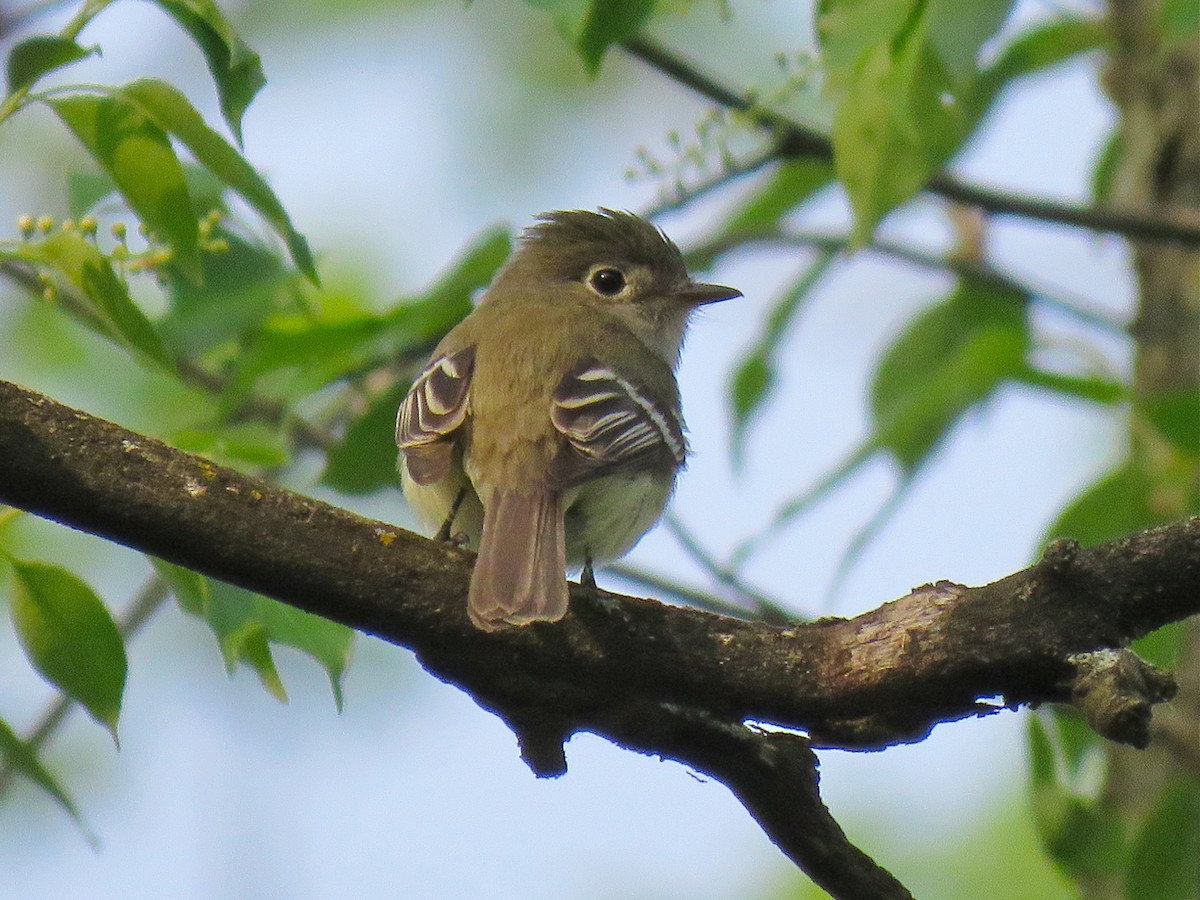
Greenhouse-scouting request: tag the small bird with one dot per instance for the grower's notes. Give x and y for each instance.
(546, 427)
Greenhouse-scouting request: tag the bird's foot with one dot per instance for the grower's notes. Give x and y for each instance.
(447, 534)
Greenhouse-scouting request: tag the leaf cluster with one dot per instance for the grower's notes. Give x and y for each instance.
(239, 320)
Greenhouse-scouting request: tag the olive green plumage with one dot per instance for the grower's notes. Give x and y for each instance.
(553, 409)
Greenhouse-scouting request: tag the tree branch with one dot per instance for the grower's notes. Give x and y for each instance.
(795, 140)
(1063, 301)
(654, 678)
(685, 194)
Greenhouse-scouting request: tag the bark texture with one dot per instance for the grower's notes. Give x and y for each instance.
(675, 682)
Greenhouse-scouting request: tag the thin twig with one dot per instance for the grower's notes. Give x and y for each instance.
(1075, 306)
(1054, 297)
(793, 139)
(766, 609)
(26, 276)
(1128, 223)
(273, 412)
(731, 173)
(685, 594)
(796, 140)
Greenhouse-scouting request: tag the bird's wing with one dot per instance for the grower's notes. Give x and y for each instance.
(435, 406)
(611, 423)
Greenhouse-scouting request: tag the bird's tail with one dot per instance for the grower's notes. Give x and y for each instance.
(520, 574)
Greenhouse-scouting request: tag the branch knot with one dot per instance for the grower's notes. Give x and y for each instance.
(1116, 691)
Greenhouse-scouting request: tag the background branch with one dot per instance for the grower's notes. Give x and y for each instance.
(796, 140)
(1066, 302)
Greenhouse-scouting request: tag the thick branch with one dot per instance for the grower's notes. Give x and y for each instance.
(774, 775)
(884, 677)
(651, 677)
(795, 140)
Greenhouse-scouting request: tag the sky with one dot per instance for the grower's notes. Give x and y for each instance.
(389, 138)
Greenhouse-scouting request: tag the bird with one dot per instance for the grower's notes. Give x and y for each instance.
(546, 428)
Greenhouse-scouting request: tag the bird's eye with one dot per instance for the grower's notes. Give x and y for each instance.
(607, 282)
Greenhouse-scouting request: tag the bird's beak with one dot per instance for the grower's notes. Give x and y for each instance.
(697, 293)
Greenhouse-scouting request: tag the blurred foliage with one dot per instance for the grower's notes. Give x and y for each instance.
(262, 366)
(233, 321)
(910, 87)
(592, 26)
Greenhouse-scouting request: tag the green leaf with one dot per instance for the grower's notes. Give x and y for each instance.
(1116, 505)
(318, 350)
(607, 23)
(111, 310)
(905, 81)
(592, 26)
(1165, 863)
(1075, 740)
(173, 113)
(86, 189)
(959, 28)
(247, 624)
(1096, 390)
(1042, 769)
(190, 589)
(899, 121)
(1036, 51)
(364, 460)
(848, 29)
(1180, 18)
(139, 157)
(751, 384)
(950, 358)
(70, 638)
(915, 426)
(917, 352)
(22, 758)
(205, 188)
(302, 353)
(790, 185)
(1176, 415)
(1076, 833)
(236, 69)
(243, 285)
(1163, 647)
(249, 645)
(40, 54)
(899, 74)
